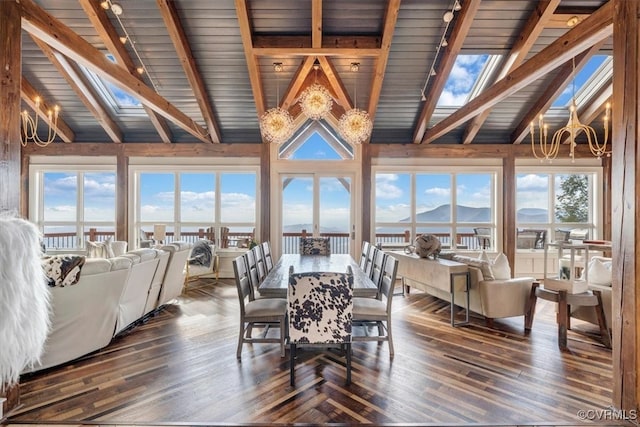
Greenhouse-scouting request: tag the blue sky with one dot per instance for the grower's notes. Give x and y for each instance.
(563, 100)
(463, 76)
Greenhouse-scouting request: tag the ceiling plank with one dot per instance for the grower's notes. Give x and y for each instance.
(47, 28)
(83, 89)
(28, 95)
(448, 58)
(589, 32)
(552, 91)
(176, 32)
(252, 64)
(110, 38)
(533, 28)
(390, 19)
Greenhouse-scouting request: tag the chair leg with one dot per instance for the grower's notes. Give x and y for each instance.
(282, 337)
(348, 357)
(391, 352)
(292, 358)
(240, 340)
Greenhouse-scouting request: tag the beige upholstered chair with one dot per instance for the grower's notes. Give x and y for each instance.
(378, 310)
(264, 313)
(320, 313)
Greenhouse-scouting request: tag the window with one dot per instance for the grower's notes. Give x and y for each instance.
(315, 142)
(552, 206)
(433, 201)
(467, 79)
(586, 82)
(120, 101)
(73, 205)
(196, 203)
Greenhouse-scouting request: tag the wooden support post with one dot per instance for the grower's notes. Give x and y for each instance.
(625, 204)
(10, 77)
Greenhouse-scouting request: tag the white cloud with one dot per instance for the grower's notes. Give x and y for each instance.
(532, 181)
(438, 191)
(192, 196)
(385, 187)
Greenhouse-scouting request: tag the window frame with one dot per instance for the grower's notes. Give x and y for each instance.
(488, 166)
(71, 165)
(219, 167)
(586, 167)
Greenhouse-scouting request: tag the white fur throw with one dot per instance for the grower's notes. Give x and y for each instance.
(24, 298)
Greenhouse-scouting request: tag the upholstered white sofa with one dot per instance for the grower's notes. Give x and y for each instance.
(84, 315)
(110, 295)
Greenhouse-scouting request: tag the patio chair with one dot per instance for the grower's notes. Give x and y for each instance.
(320, 312)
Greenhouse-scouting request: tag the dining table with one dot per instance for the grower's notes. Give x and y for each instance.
(276, 283)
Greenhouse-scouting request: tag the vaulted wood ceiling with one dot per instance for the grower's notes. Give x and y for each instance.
(209, 65)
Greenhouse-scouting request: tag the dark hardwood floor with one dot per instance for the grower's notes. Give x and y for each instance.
(179, 367)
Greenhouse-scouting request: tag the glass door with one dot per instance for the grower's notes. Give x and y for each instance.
(317, 205)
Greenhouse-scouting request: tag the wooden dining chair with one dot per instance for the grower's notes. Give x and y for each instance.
(315, 246)
(366, 246)
(368, 311)
(320, 306)
(260, 263)
(261, 313)
(268, 257)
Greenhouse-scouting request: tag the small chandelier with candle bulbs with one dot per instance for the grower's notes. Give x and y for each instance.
(549, 150)
(355, 125)
(30, 126)
(276, 124)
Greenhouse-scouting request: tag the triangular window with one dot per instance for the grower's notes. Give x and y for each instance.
(315, 142)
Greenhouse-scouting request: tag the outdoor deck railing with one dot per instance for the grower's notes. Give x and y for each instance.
(290, 240)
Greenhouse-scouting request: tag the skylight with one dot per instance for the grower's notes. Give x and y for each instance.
(468, 77)
(587, 81)
(122, 102)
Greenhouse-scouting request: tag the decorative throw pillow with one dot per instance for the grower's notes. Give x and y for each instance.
(99, 249)
(483, 265)
(501, 268)
(62, 270)
(600, 272)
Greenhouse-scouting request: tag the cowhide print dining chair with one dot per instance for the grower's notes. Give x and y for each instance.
(320, 306)
(315, 246)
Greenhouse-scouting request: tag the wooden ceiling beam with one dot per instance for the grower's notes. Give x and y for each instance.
(316, 23)
(307, 42)
(179, 38)
(47, 28)
(297, 82)
(551, 92)
(250, 56)
(110, 38)
(447, 59)
(83, 89)
(388, 28)
(336, 83)
(591, 31)
(532, 29)
(321, 51)
(28, 95)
